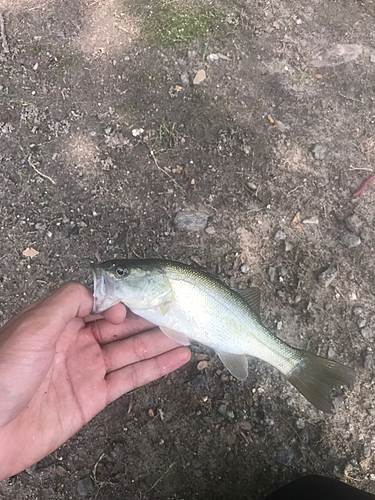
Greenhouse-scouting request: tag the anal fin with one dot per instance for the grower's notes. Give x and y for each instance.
(178, 337)
(236, 363)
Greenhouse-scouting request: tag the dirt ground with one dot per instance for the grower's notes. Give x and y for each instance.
(270, 147)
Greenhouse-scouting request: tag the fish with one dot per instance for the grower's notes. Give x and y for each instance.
(190, 304)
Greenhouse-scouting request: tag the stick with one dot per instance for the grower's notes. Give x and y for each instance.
(161, 477)
(367, 181)
(2, 34)
(161, 170)
(39, 172)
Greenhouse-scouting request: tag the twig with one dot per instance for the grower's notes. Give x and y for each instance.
(290, 425)
(367, 181)
(362, 168)
(39, 172)
(349, 98)
(161, 477)
(295, 189)
(164, 172)
(3, 36)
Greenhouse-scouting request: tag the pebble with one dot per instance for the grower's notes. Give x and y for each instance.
(85, 486)
(338, 403)
(372, 58)
(367, 333)
(210, 230)
(200, 381)
(319, 151)
(190, 221)
(231, 200)
(245, 268)
(196, 464)
(286, 456)
(300, 424)
(230, 414)
(361, 322)
(366, 452)
(303, 434)
(312, 220)
(368, 361)
(199, 77)
(288, 246)
(222, 409)
(229, 459)
(358, 311)
(272, 273)
(354, 223)
(202, 365)
(185, 78)
(337, 54)
(350, 240)
(279, 235)
(245, 425)
(201, 357)
(151, 413)
(212, 57)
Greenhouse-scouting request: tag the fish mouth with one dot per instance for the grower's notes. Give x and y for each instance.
(104, 288)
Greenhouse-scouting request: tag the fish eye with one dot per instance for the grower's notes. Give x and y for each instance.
(122, 271)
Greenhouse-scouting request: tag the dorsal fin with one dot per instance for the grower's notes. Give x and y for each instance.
(252, 298)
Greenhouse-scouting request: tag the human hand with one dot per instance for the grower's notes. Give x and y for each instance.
(60, 366)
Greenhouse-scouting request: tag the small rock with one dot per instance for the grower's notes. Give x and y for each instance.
(198, 473)
(200, 381)
(222, 409)
(361, 322)
(231, 200)
(229, 459)
(136, 132)
(288, 246)
(202, 365)
(338, 403)
(151, 413)
(201, 357)
(338, 54)
(212, 57)
(366, 452)
(60, 471)
(350, 240)
(286, 456)
(272, 273)
(210, 230)
(85, 486)
(230, 414)
(190, 221)
(185, 79)
(199, 77)
(37, 38)
(358, 311)
(279, 235)
(196, 464)
(312, 220)
(304, 436)
(245, 268)
(30, 470)
(245, 425)
(300, 424)
(319, 151)
(354, 223)
(372, 58)
(367, 333)
(368, 361)
(327, 276)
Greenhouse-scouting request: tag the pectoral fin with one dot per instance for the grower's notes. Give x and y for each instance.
(181, 338)
(252, 297)
(235, 363)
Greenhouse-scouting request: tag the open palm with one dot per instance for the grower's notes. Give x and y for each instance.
(59, 367)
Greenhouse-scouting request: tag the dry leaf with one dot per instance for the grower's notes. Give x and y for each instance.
(202, 365)
(30, 252)
(201, 357)
(295, 222)
(271, 120)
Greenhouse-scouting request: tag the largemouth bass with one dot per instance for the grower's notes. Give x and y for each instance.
(189, 304)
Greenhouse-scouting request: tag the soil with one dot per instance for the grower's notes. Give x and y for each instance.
(278, 136)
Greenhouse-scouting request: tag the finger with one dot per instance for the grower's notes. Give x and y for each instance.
(114, 315)
(133, 376)
(139, 347)
(42, 322)
(106, 332)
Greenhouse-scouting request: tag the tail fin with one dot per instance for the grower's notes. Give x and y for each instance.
(315, 376)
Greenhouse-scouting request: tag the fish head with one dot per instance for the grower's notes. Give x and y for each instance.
(134, 283)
